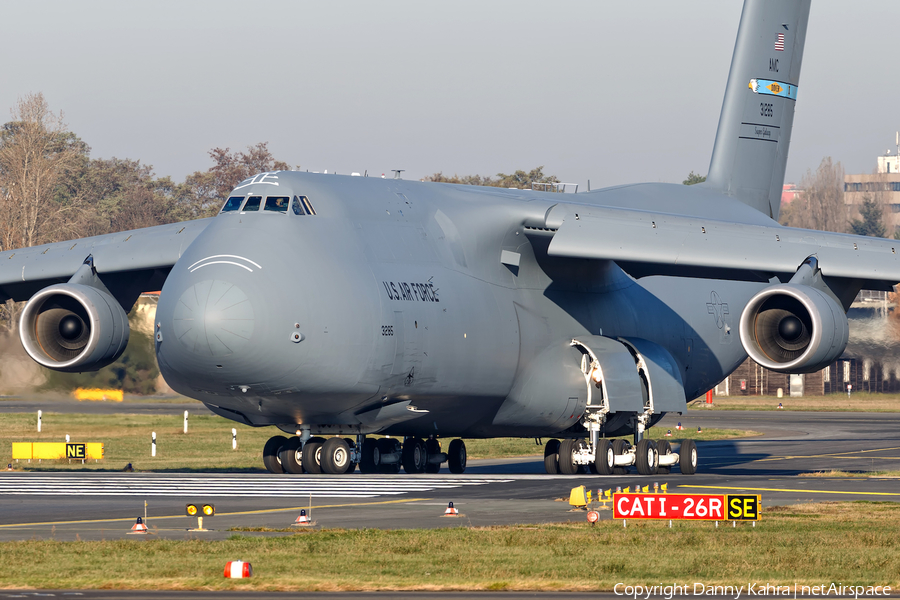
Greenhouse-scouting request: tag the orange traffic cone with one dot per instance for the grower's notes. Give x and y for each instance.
(138, 527)
(238, 569)
(302, 520)
(451, 512)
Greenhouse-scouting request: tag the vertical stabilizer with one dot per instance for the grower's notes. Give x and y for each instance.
(754, 134)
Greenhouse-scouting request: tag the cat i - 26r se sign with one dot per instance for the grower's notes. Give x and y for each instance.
(698, 507)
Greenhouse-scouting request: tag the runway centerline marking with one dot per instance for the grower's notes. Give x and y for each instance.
(752, 489)
(222, 514)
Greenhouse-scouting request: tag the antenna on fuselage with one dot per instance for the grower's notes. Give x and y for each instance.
(397, 173)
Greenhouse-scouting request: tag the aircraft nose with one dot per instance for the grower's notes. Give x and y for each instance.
(213, 318)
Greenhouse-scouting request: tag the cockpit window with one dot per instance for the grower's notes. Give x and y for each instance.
(233, 203)
(253, 203)
(302, 206)
(277, 204)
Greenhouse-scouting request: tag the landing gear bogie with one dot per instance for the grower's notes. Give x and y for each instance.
(614, 457)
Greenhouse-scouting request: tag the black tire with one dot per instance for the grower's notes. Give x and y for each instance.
(566, 465)
(312, 455)
(551, 457)
(388, 446)
(369, 458)
(414, 456)
(351, 466)
(432, 448)
(687, 457)
(646, 457)
(456, 456)
(270, 454)
(620, 446)
(604, 457)
(290, 456)
(335, 456)
(664, 448)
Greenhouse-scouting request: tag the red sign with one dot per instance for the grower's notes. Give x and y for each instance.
(698, 507)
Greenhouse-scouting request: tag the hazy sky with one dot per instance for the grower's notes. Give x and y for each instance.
(614, 92)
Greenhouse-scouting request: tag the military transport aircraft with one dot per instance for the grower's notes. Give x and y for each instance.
(333, 306)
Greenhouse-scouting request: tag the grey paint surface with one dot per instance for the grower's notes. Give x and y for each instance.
(459, 304)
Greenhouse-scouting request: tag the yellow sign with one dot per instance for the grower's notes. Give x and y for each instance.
(98, 394)
(774, 88)
(56, 451)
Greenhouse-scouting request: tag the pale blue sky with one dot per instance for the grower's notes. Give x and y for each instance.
(614, 92)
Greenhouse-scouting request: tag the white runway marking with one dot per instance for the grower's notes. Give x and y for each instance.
(235, 487)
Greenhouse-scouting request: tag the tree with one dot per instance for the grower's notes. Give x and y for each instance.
(35, 151)
(821, 203)
(872, 222)
(693, 178)
(519, 179)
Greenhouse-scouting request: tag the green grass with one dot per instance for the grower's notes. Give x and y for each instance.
(853, 543)
(857, 402)
(207, 445)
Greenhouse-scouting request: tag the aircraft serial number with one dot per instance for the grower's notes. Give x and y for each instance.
(387, 330)
(765, 109)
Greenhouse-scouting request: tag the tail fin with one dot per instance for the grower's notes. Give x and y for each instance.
(754, 134)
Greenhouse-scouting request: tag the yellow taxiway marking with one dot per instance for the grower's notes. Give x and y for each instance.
(221, 514)
(843, 454)
(750, 489)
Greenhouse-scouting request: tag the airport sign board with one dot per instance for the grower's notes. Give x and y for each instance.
(691, 507)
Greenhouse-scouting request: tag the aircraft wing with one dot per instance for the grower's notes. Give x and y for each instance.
(647, 243)
(26, 270)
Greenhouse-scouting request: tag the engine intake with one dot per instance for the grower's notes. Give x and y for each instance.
(794, 328)
(73, 328)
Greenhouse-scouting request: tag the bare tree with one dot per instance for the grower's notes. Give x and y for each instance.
(821, 203)
(35, 150)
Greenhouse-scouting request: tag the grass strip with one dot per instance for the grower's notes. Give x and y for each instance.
(856, 402)
(207, 445)
(852, 543)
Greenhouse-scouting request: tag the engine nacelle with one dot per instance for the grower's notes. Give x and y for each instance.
(73, 328)
(794, 328)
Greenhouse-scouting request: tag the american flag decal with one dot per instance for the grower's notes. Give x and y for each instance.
(779, 43)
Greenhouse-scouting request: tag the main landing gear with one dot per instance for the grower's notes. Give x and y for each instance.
(338, 456)
(613, 457)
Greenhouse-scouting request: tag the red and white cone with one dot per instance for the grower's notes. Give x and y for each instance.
(679, 428)
(238, 569)
(303, 519)
(451, 512)
(138, 527)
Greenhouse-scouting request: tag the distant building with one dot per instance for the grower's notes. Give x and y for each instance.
(882, 186)
(789, 192)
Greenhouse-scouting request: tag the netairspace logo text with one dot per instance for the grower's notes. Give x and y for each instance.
(751, 589)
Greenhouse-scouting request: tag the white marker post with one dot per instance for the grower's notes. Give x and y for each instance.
(234, 439)
(185, 422)
(153, 444)
(39, 421)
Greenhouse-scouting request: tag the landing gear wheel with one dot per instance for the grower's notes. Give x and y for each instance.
(551, 457)
(432, 448)
(687, 457)
(335, 456)
(369, 457)
(646, 457)
(388, 446)
(664, 448)
(290, 456)
(270, 454)
(456, 456)
(604, 457)
(414, 456)
(567, 449)
(620, 446)
(312, 455)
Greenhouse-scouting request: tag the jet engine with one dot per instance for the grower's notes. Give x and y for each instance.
(794, 328)
(73, 328)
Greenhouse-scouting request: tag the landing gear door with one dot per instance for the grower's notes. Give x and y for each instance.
(618, 377)
(662, 373)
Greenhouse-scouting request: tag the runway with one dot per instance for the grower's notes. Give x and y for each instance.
(90, 505)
